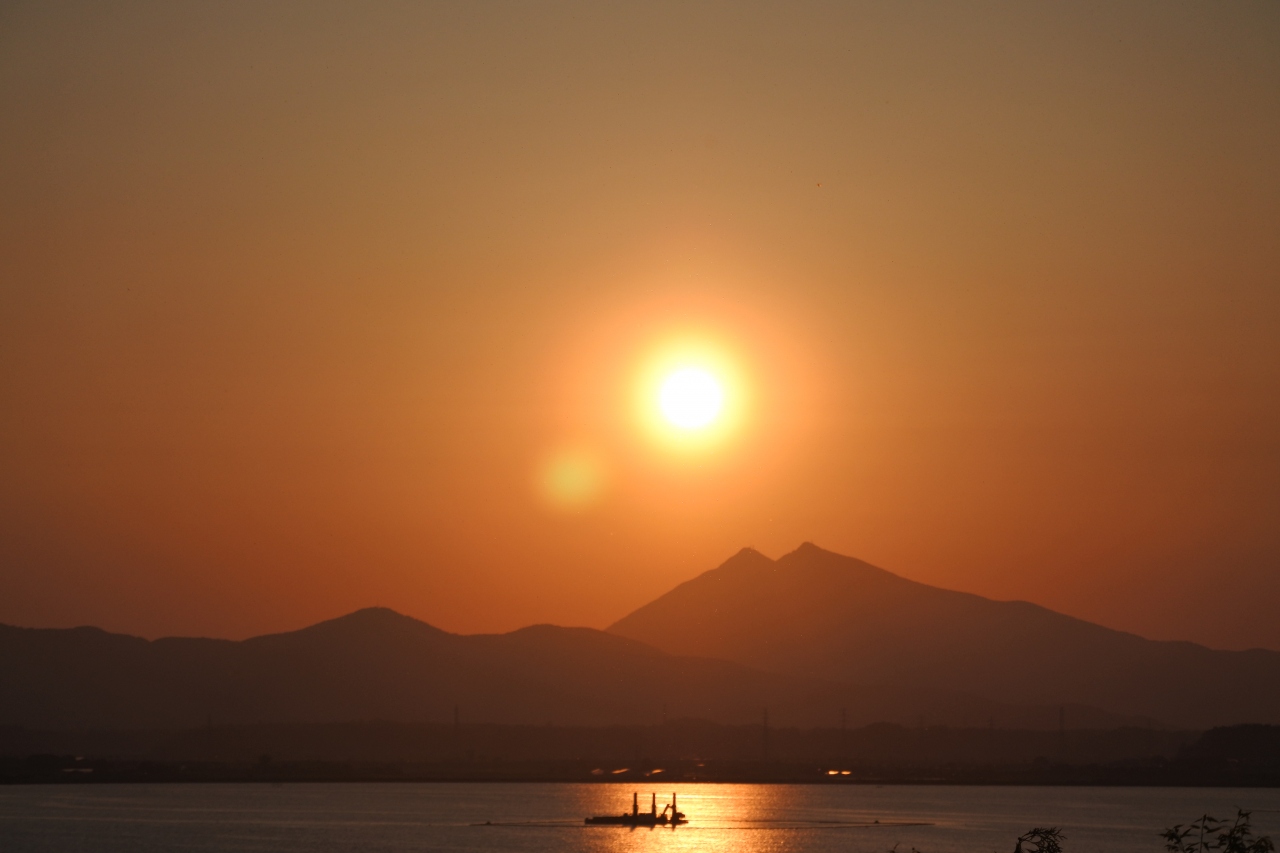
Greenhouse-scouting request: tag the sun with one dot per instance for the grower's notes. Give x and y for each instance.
(691, 398)
(691, 395)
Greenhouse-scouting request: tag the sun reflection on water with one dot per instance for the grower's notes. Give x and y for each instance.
(745, 818)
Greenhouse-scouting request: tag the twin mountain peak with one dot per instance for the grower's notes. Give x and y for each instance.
(814, 637)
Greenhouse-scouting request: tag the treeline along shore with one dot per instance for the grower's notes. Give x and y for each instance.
(677, 750)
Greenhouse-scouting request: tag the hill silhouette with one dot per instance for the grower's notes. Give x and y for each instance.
(823, 615)
(376, 664)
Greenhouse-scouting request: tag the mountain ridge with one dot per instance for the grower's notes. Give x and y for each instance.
(805, 636)
(834, 617)
(376, 664)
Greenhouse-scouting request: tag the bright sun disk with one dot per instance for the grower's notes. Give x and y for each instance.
(690, 398)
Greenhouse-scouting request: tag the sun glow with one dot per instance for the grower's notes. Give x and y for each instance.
(692, 394)
(690, 398)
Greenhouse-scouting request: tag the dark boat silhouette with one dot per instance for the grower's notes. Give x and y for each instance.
(669, 816)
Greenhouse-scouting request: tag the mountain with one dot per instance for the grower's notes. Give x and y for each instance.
(371, 664)
(376, 664)
(821, 615)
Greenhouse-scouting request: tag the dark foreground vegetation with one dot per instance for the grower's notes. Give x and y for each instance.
(685, 750)
(1210, 834)
(1206, 834)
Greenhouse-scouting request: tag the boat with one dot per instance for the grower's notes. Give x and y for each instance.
(669, 816)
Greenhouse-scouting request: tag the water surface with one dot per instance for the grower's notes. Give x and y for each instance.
(530, 818)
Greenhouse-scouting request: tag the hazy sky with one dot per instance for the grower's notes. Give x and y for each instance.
(302, 304)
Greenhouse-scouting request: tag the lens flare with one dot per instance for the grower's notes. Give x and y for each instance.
(571, 479)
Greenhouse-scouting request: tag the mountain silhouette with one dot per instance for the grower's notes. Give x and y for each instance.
(377, 664)
(822, 615)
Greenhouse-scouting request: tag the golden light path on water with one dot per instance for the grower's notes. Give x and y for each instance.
(746, 818)
(872, 818)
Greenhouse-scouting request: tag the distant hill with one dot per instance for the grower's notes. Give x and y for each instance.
(817, 614)
(379, 665)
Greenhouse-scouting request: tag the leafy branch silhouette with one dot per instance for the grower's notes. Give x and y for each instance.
(1041, 840)
(1206, 835)
(1210, 834)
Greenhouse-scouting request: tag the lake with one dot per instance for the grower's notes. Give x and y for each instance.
(367, 817)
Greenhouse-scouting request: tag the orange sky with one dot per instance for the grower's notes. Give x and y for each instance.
(300, 301)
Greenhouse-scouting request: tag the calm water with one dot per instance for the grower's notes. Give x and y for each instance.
(748, 818)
